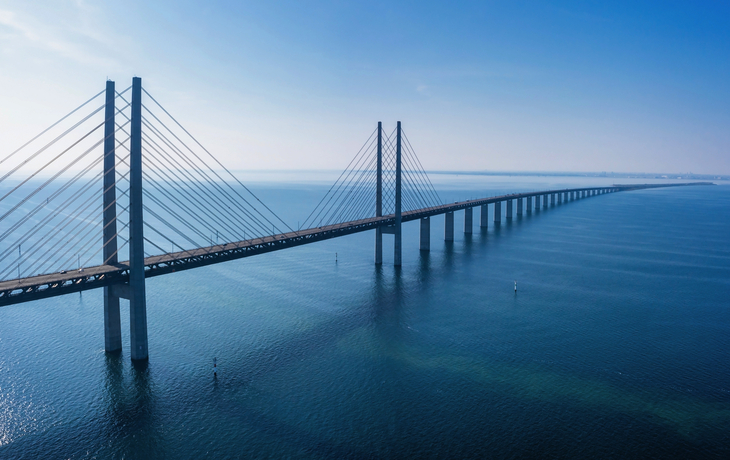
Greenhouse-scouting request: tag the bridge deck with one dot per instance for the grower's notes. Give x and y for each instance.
(49, 285)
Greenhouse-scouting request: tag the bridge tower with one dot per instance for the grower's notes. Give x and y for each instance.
(397, 247)
(137, 300)
(112, 320)
(134, 291)
(379, 197)
(395, 229)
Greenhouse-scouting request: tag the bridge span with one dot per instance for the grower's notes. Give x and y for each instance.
(172, 196)
(117, 275)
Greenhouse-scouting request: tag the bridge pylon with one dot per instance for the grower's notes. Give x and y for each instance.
(134, 290)
(112, 320)
(395, 228)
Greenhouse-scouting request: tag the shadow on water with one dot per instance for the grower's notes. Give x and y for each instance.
(130, 400)
(382, 314)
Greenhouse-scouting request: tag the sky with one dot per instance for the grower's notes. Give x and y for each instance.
(620, 86)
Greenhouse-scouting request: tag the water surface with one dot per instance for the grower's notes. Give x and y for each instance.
(615, 345)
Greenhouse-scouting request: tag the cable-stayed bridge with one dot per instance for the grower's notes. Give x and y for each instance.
(118, 191)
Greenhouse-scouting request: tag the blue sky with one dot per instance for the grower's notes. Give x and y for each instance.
(513, 85)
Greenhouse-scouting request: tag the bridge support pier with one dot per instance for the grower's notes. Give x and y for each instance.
(509, 210)
(378, 246)
(112, 317)
(528, 204)
(397, 246)
(545, 201)
(138, 297)
(449, 226)
(519, 206)
(379, 197)
(426, 234)
(468, 220)
(498, 212)
(552, 199)
(484, 216)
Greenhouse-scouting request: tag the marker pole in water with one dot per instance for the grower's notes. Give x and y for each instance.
(215, 367)
(335, 257)
(515, 286)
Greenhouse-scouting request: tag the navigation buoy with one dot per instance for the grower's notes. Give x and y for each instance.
(215, 367)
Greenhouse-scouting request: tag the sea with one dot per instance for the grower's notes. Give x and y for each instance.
(616, 343)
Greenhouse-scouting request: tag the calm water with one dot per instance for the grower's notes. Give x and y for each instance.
(617, 343)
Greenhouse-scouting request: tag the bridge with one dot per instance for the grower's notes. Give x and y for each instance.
(97, 182)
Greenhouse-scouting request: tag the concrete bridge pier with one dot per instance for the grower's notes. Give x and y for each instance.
(498, 212)
(545, 201)
(484, 216)
(552, 199)
(397, 246)
(134, 291)
(519, 206)
(528, 204)
(112, 317)
(138, 296)
(468, 220)
(426, 234)
(378, 246)
(449, 226)
(379, 197)
(509, 210)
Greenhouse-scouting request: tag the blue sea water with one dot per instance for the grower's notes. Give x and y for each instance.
(616, 344)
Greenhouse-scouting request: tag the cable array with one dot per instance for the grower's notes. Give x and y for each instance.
(191, 200)
(51, 193)
(353, 195)
(51, 196)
